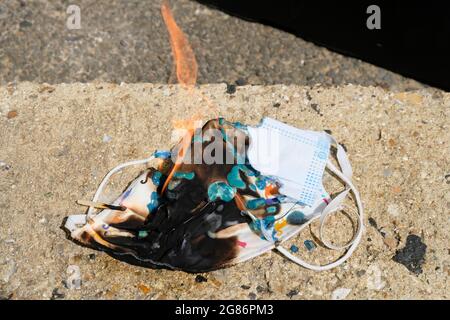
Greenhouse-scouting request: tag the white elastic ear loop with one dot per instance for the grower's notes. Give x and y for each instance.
(342, 158)
(352, 245)
(110, 173)
(339, 199)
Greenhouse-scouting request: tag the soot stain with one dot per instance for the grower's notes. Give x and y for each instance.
(412, 256)
(231, 88)
(199, 279)
(316, 109)
(373, 223)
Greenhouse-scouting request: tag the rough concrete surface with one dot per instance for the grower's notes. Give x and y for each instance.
(126, 40)
(57, 142)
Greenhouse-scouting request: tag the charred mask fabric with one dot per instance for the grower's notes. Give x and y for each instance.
(224, 194)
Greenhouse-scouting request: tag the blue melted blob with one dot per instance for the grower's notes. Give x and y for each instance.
(268, 221)
(294, 249)
(126, 194)
(272, 201)
(271, 209)
(248, 171)
(261, 183)
(309, 245)
(296, 217)
(173, 184)
(162, 154)
(184, 175)
(156, 178)
(221, 190)
(153, 204)
(267, 224)
(239, 125)
(255, 203)
(142, 234)
(197, 138)
(224, 135)
(234, 178)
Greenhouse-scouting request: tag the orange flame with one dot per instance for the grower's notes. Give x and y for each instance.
(186, 70)
(190, 127)
(186, 65)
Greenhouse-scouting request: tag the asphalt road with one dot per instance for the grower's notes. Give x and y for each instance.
(126, 41)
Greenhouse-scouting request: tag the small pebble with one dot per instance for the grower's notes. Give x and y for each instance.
(391, 142)
(56, 295)
(447, 178)
(340, 293)
(261, 289)
(45, 87)
(292, 293)
(231, 88)
(360, 273)
(240, 82)
(373, 223)
(11, 87)
(12, 114)
(25, 24)
(144, 289)
(390, 242)
(396, 189)
(252, 296)
(374, 278)
(4, 166)
(74, 279)
(106, 138)
(387, 172)
(315, 107)
(9, 271)
(393, 209)
(217, 283)
(309, 245)
(245, 287)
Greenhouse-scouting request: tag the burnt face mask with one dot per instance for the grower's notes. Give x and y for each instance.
(226, 193)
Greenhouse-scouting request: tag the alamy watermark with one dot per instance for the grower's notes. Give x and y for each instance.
(374, 20)
(226, 146)
(73, 21)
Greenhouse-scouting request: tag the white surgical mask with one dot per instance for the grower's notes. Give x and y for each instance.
(296, 157)
(278, 154)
